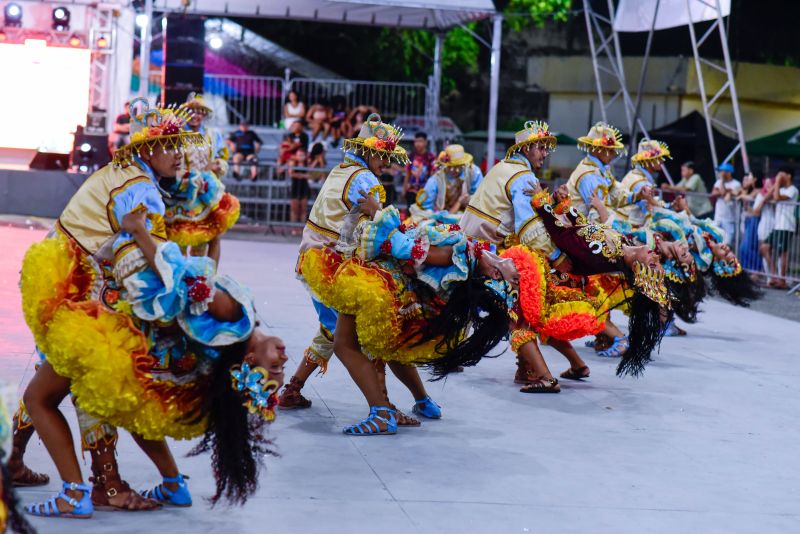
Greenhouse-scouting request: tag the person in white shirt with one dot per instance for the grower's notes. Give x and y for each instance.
(785, 195)
(763, 207)
(725, 211)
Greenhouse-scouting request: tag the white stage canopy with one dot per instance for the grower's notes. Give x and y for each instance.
(637, 15)
(434, 14)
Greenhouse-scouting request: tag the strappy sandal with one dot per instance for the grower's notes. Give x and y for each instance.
(576, 374)
(109, 491)
(21, 474)
(617, 349)
(427, 408)
(673, 330)
(24, 477)
(542, 385)
(179, 497)
(81, 509)
(600, 342)
(369, 426)
(403, 419)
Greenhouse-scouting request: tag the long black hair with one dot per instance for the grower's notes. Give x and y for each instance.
(233, 436)
(688, 296)
(739, 289)
(16, 520)
(645, 330)
(469, 325)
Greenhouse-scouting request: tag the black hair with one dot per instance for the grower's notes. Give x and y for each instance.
(688, 296)
(645, 330)
(421, 135)
(233, 436)
(16, 520)
(787, 170)
(689, 164)
(469, 325)
(299, 99)
(317, 149)
(739, 289)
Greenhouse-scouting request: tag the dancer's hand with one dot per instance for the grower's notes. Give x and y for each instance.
(134, 222)
(368, 204)
(600, 206)
(532, 190)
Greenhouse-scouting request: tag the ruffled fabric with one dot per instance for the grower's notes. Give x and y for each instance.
(610, 291)
(200, 221)
(376, 294)
(551, 310)
(441, 278)
(211, 332)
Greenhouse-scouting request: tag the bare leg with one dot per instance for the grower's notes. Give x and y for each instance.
(566, 348)
(161, 456)
(532, 356)
(612, 330)
(23, 431)
(346, 347)
(410, 378)
(302, 208)
(766, 253)
(42, 398)
(215, 249)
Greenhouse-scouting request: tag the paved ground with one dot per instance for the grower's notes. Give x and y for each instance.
(704, 442)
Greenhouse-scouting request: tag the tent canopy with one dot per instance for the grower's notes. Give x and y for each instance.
(782, 144)
(421, 14)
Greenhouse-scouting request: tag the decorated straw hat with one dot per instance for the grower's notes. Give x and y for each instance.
(601, 136)
(651, 151)
(533, 133)
(196, 102)
(157, 127)
(378, 138)
(454, 156)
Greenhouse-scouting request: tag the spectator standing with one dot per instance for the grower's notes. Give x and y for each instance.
(764, 206)
(319, 119)
(785, 196)
(293, 110)
(748, 249)
(245, 144)
(120, 136)
(694, 188)
(317, 159)
(294, 140)
(300, 190)
(726, 189)
(420, 168)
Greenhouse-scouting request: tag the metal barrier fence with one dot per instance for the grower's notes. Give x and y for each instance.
(765, 251)
(259, 99)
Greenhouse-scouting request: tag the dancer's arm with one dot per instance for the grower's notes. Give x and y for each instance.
(134, 224)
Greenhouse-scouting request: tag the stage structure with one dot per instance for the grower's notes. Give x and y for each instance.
(649, 16)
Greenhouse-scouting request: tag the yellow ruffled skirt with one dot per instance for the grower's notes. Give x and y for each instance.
(385, 310)
(102, 351)
(218, 221)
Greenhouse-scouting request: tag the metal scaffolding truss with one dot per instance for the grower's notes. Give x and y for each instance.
(729, 87)
(103, 25)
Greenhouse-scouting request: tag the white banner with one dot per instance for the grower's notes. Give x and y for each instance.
(637, 15)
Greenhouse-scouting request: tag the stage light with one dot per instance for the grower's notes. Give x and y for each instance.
(102, 43)
(3, 37)
(75, 41)
(86, 148)
(13, 15)
(142, 20)
(61, 16)
(216, 42)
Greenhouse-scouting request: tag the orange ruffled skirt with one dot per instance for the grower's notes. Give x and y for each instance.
(194, 233)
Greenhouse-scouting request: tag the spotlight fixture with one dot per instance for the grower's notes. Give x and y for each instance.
(86, 148)
(3, 36)
(61, 16)
(75, 41)
(102, 42)
(13, 15)
(142, 20)
(216, 42)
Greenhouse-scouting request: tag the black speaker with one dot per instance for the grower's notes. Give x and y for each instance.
(184, 57)
(50, 161)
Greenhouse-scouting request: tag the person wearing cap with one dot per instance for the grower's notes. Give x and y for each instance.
(198, 209)
(726, 189)
(500, 213)
(333, 222)
(646, 164)
(448, 191)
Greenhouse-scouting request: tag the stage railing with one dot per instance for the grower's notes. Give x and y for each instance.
(257, 99)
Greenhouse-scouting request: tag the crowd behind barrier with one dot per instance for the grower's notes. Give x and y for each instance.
(266, 202)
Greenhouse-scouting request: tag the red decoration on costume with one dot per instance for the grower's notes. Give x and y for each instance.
(454, 228)
(417, 251)
(386, 247)
(402, 228)
(170, 129)
(198, 289)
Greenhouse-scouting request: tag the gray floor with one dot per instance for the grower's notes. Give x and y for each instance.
(705, 441)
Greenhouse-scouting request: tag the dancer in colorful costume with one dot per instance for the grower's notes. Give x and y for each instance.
(646, 164)
(333, 220)
(596, 249)
(198, 209)
(448, 191)
(142, 337)
(409, 296)
(500, 213)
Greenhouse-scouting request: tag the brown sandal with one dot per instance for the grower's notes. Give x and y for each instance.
(21, 474)
(109, 491)
(576, 374)
(291, 398)
(524, 375)
(542, 385)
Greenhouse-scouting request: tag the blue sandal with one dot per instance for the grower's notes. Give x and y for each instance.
(81, 509)
(617, 349)
(368, 427)
(180, 497)
(427, 408)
